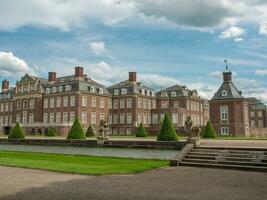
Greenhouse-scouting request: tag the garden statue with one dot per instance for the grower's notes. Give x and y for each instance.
(191, 130)
(103, 130)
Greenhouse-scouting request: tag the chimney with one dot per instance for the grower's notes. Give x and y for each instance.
(78, 72)
(52, 76)
(5, 85)
(227, 76)
(132, 76)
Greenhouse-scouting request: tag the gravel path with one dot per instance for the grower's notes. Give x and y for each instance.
(179, 183)
(106, 152)
(235, 143)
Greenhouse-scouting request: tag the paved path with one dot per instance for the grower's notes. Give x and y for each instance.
(108, 152)
(179, 183)
(235, 143)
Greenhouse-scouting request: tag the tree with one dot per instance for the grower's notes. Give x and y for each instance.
(167, 131)
(51, 132)
(76, 131)
(17, 132)
(209, 131)
(141, 131)
(90, 131)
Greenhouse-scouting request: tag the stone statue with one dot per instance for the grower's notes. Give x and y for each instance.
(103, 130)
(188, 127)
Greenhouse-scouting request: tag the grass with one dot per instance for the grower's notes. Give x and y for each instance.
(88, 165)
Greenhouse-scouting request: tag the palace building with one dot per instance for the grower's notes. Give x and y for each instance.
(229, 109)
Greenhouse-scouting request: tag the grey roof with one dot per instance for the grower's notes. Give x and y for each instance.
(255, 103)
(230, 88)
(132, 87)
(181, 91)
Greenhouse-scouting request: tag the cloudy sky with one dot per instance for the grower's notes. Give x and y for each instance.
(166, 41)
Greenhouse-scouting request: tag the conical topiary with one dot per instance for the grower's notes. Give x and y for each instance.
(167, 131)
(17, 132)
(141, 131)
(90, 131)
(76, 131)
(209, 131)
(51, 132)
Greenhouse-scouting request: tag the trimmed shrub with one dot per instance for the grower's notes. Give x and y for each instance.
(16, 132)
(141, 131)
(51, 132)
(209, 131)
(167, 131)
(90, 131)
(76, 131)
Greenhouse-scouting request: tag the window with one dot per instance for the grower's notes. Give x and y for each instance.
(122, 118)
(122, 103)
(224, 93)
(110, 104)
(65, 117)
(72, 101)
(143, 92)
(116, 92)
(45, 103)
(31, 118)
(124, 91)
(252, 114)
(58, 117)
(224, 131)
(84, 101)
(32, 87)
(3, 107)
(68, 88)
(7, 107)
(154, 118)
(259, 113)
(164, 104)
(47, 90)
(129, 118)
(109, 118)
(260, 123)
(11, 107)
(129, 103)
(101, 91)
(176, 104)
(32, 104)
(58, 102)
(102, 103)
(102, 116)
(52, 103)
(93, 102)
(25, 104)
(51, 118)
(145, 104)
(84, 117)
(93, 119)
(252, 123)
(148, 93)
(154, 104)
(139, 103)
(92, 89)
(162, 116)
(224, 113)
(174, 118)
(45, 120)
(149, 104)
(17, 118)
(144, 118)
(72, 117)
(65, 101)
(60, 89)
(173, 94)
(54, 89)
(116, 118)
(152, 93)
(139, 120)
(115, 104)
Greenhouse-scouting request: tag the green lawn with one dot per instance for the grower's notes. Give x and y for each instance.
(78, 164)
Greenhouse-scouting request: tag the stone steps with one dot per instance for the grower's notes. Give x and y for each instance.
(250, 159)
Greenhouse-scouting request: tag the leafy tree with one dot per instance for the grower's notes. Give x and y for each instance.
(51, 132)
(76, 131)
(16, 132)
(209, 131)
(167, 131)
(90, 131)
(141, 131)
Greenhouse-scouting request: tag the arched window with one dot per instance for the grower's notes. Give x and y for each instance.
(224, 93)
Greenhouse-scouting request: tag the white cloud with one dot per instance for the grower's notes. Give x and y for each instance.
(10, 65)
(261, 72)
(99, 48)
(158, 81)
(233, 32)
(216, 74)
(263, 28)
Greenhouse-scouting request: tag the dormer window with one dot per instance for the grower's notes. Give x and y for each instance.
(143, 92)
(62, 80)
(148, 93)
(224, 93)
(101, 91)
(67, 87)
(54, 90)
(92, 89)
(124, 91)
(152, 93)
(173, 94)
(60, 88)
(47, 90)
(116, 92)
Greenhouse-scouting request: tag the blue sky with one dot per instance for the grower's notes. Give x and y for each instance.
(166, 42)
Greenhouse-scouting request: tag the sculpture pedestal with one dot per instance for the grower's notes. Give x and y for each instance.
(195, 141)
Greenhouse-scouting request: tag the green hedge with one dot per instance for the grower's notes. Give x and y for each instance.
(167, 131)
(76, 131)
(209, 131)
(16, 132)
(51, 132)
(90, 131)
(141, 131)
